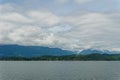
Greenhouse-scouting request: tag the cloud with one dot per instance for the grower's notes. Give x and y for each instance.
(29, 35)
(82, 1)
(94, 30)
(72, 32)
(62, 2)
(44, 17)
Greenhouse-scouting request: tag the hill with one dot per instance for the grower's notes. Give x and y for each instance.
(30, 51)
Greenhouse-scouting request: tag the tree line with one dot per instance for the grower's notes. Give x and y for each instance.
(89, 57)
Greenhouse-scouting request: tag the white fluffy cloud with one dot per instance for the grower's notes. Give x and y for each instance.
(75, 32)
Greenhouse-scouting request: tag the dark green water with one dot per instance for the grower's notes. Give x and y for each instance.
(59, 70)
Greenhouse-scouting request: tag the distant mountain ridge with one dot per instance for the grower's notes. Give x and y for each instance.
(30, 51)
(92, 51)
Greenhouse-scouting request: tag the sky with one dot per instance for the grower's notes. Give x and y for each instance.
(66, 24)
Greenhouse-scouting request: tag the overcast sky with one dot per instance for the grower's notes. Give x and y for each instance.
(66, 24)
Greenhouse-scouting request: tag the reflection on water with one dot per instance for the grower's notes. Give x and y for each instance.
(59, 70)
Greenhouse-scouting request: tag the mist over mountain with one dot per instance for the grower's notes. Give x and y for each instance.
(92, 51)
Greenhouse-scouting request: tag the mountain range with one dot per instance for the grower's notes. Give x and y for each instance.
(30, 51)
(90, 51)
